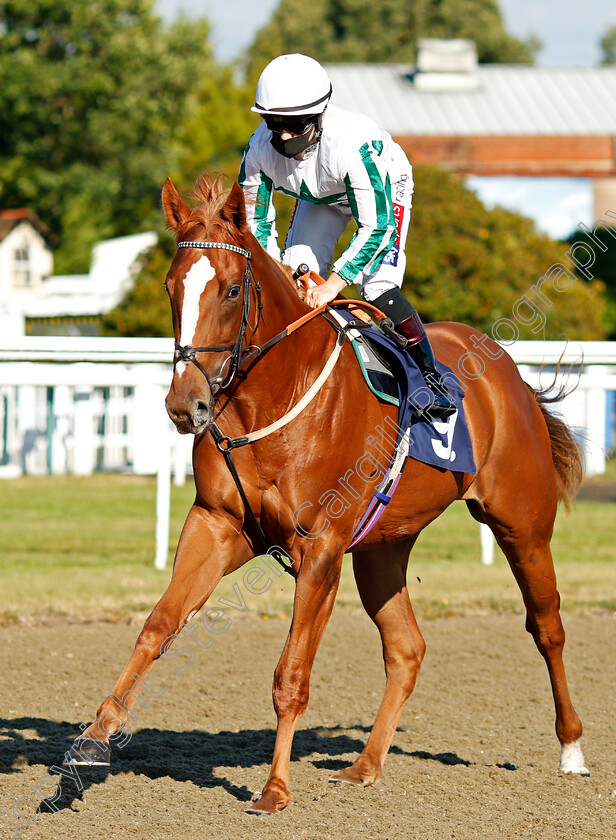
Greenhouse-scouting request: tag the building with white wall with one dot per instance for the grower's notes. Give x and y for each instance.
(31, 294)
(26, 262)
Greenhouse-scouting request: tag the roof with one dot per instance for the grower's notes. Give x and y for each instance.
(500, 100)
(9, 219)
(114, 263)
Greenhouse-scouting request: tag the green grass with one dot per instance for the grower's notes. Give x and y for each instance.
(83, 548)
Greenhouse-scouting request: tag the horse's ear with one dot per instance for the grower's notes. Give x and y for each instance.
(176, 211)
(234, 210)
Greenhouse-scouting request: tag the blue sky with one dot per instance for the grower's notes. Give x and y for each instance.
(570, 31)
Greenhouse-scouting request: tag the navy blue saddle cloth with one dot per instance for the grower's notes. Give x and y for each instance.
(393, 377)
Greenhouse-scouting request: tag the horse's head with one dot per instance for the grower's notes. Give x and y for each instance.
(209, 290)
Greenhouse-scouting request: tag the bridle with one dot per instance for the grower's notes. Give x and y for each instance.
(240, 355)
(237, 357)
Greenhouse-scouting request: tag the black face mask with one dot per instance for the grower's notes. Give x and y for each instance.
(296, 145)
(289, 148)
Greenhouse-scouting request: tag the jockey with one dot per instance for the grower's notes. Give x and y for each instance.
(337, 164)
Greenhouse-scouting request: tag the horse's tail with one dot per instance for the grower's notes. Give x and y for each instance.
(566, 450)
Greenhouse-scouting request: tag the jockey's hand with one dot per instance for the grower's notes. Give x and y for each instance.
(318, 295)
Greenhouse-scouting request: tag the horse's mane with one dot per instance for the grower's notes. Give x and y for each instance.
(210, 194)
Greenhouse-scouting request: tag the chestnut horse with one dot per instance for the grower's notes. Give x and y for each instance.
(227, 304)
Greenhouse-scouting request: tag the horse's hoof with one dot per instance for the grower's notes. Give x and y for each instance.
(86, 752)
(572, 760)
(268, 805)
(351, 776)
(259, 813)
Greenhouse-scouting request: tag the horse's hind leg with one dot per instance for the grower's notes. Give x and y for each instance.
(381, 581)
(524, 536)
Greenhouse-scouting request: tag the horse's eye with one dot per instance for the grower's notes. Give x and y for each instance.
(233, 292)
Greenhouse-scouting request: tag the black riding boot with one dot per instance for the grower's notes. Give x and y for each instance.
(420, 351)
(408, 323)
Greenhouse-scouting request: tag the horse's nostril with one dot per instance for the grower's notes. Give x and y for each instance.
(201, 407)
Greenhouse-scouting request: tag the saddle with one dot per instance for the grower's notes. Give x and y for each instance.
(394, 378)
(376, 368)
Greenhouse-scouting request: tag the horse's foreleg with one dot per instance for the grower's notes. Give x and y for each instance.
(208, 547)
(381, 581)
(315, 592)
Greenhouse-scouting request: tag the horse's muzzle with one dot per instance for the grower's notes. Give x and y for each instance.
(191, 416)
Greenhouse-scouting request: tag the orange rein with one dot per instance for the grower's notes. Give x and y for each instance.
(340, 301)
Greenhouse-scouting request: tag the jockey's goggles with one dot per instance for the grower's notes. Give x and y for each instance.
(278, 123)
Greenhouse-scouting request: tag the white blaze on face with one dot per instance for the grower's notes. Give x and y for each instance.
(195, 282)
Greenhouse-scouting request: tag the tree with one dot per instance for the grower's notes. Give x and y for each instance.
(92, 97)
(604, 266)
(216, 127)
(212, 136)
(608, 46)
(467, 263)
(464, 263)
(364, 31)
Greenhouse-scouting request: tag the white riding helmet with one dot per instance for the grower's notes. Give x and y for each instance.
(293, 85)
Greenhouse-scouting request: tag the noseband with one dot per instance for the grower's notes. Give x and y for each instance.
(236, 356)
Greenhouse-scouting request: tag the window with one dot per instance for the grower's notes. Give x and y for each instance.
(22, 269)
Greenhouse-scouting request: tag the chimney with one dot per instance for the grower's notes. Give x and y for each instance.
(446, 65)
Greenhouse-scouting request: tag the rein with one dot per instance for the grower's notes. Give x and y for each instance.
(238, 357)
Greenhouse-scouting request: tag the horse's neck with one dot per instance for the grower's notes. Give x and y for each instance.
(274, 381)
(283, 303)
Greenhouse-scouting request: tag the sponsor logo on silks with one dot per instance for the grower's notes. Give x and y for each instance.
(400, 187)
(398, 216)
(391, 258)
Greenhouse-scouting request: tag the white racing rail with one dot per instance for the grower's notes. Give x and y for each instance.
(78, 404)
